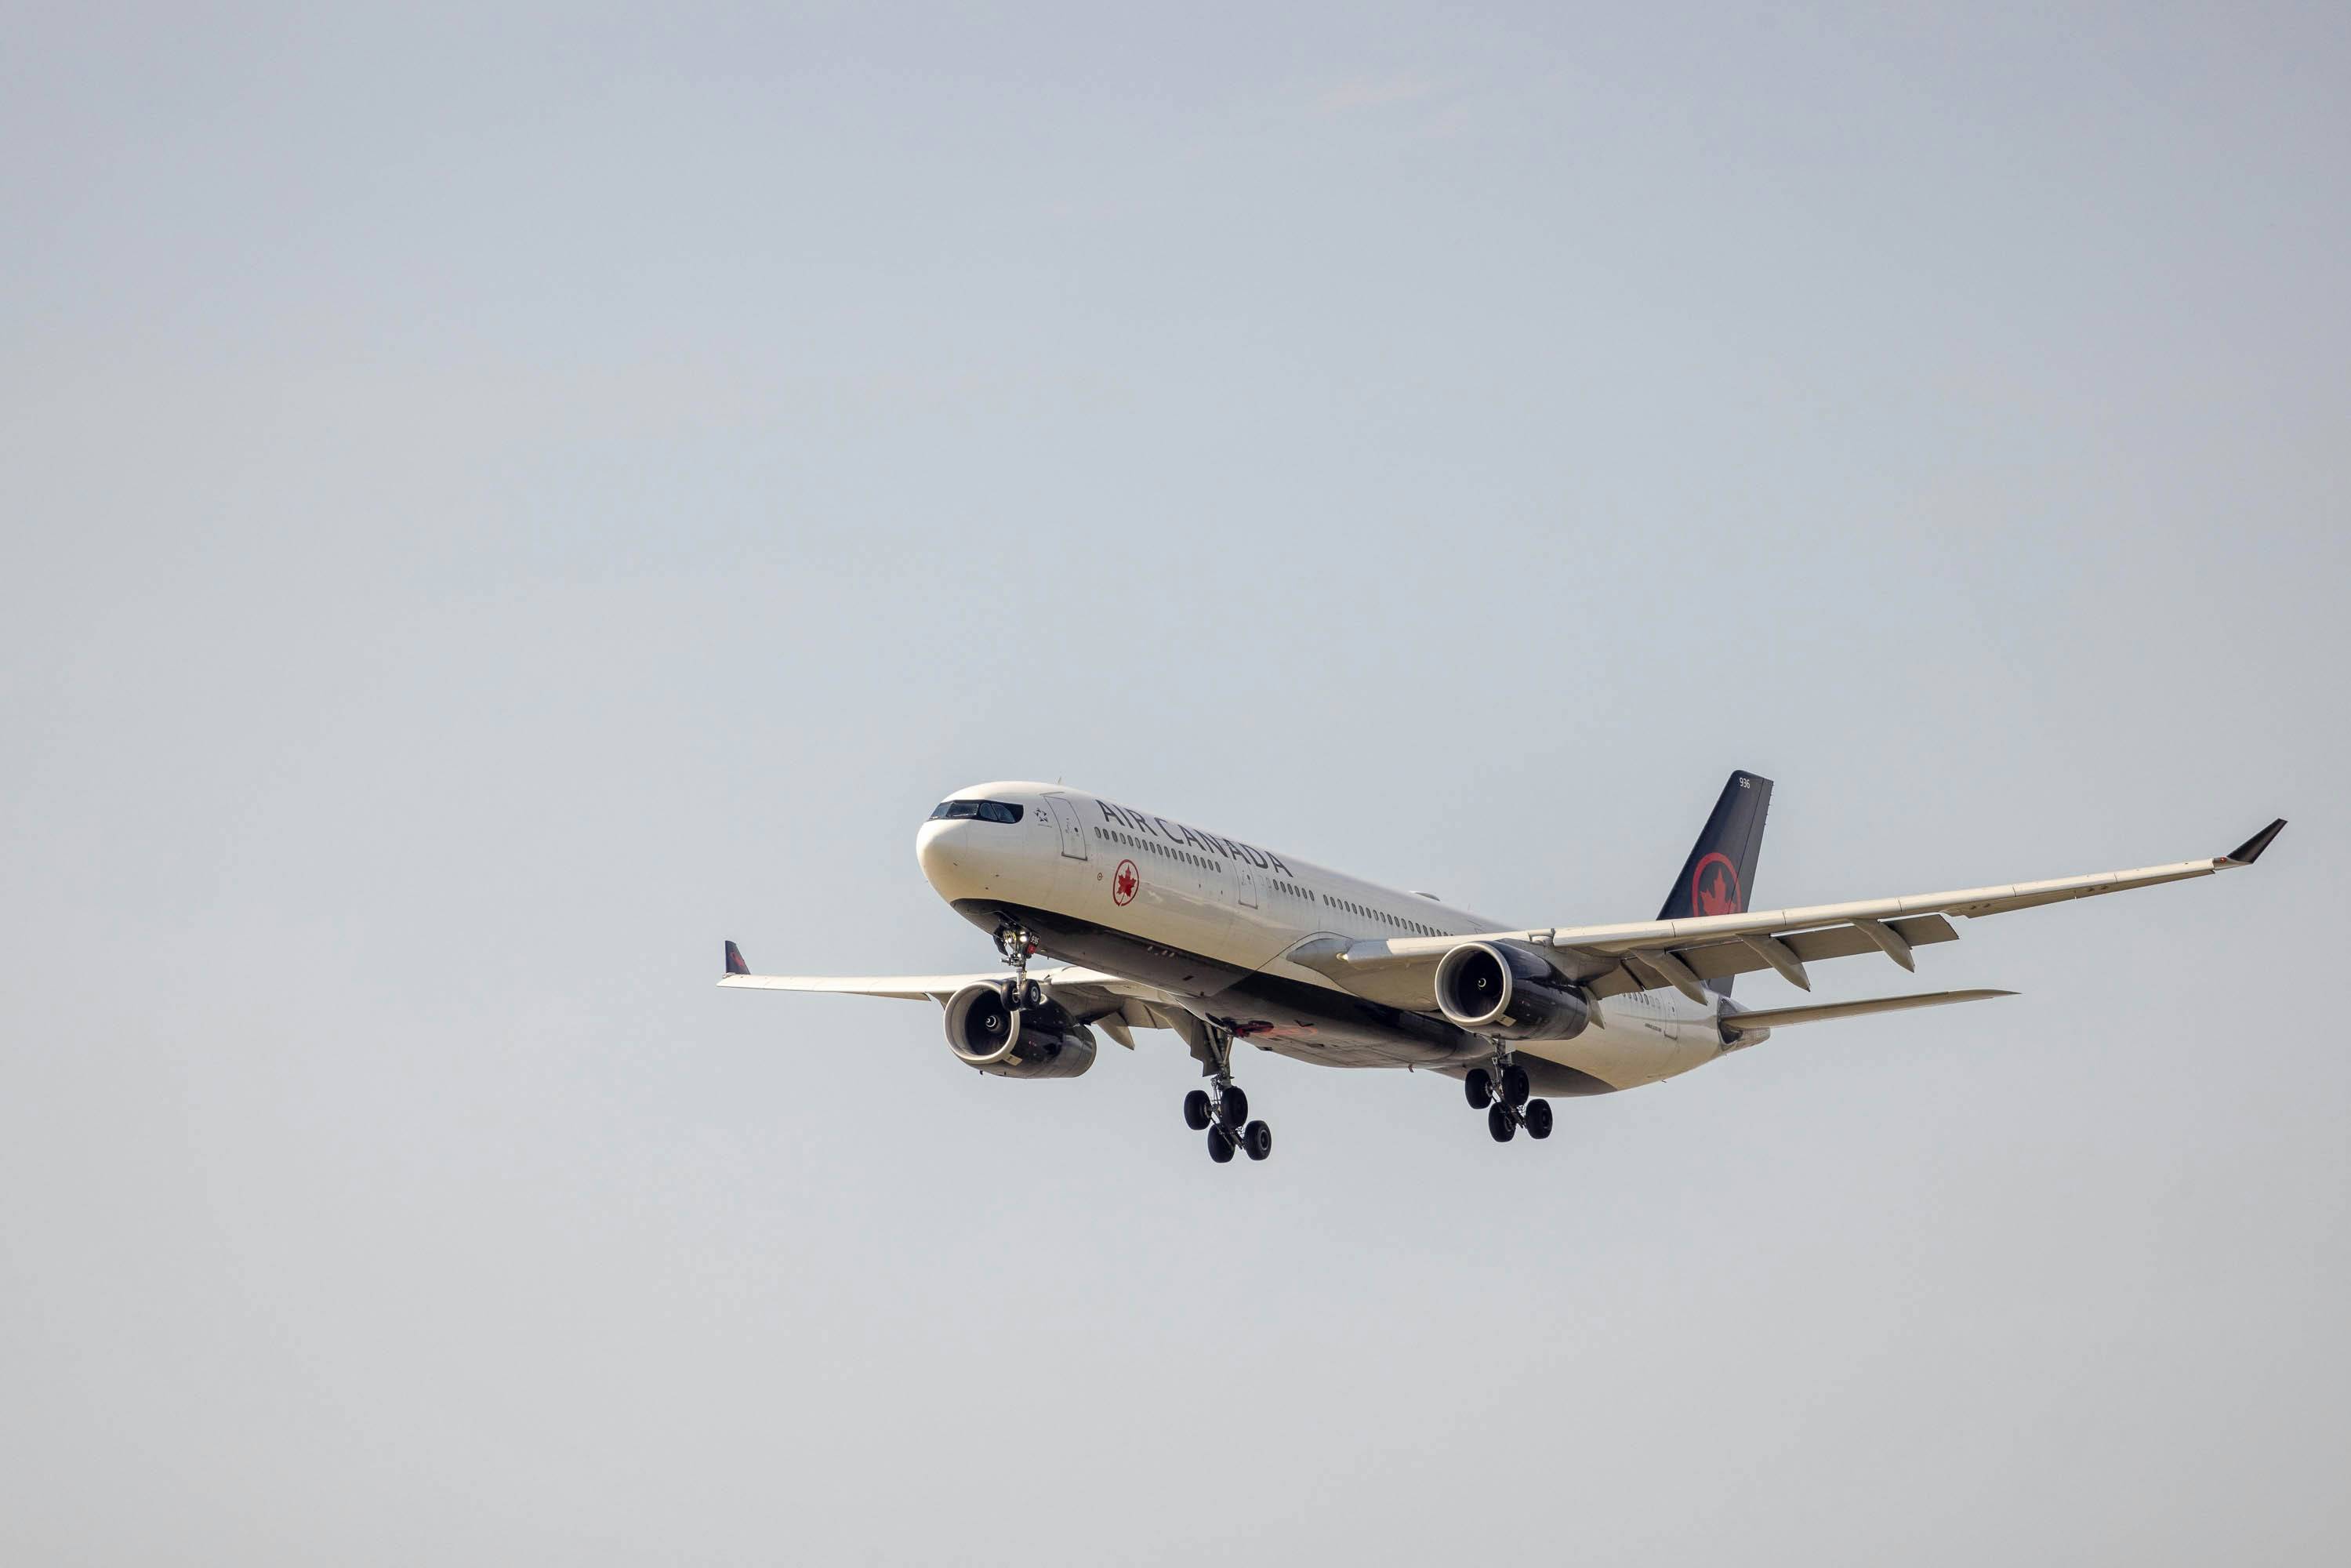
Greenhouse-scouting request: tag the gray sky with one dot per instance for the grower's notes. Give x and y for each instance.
(498, 501)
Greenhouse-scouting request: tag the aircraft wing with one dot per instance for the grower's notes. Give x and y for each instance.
(1091, 995)
(1609, 960)
(905, 988)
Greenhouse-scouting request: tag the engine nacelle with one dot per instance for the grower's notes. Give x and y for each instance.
(1505, 989)
(1042, 1041)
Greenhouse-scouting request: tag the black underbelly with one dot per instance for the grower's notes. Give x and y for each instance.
(1292, 1017)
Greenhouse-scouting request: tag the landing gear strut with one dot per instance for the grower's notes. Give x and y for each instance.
(1502, 1091)
(1016, 948)
(1221, 1110)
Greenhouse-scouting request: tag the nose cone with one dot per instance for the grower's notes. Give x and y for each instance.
(946, 852)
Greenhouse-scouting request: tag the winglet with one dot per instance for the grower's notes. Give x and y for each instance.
(2251, 850)
(735, 964)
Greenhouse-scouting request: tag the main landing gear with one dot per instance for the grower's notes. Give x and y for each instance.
(1502, 1092)
(1221, 1111)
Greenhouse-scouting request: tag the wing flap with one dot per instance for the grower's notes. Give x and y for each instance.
(1719, 960)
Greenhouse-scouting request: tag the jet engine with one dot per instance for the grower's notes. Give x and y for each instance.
(1505, 989)
(1038, 1041)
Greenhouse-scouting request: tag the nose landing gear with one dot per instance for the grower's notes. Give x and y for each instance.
(1222, 1110)
(1503, 1092)
(1016, 948)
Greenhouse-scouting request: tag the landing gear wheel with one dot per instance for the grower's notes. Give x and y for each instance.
(1220, 1145)
(1479, 1085)
(1234, 1109)
(1515, 1087)
(1258, 1139)
(1196, 1113)
(1538, 1116)
(1501, 1123)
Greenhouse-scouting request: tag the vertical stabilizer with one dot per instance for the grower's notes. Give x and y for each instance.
(1719, 878)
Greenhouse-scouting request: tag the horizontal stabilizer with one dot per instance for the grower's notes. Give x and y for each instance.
(1773, 1017)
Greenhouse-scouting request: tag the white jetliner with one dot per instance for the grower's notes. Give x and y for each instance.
(1163, 926)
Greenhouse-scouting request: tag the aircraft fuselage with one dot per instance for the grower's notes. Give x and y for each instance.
(1210, 917)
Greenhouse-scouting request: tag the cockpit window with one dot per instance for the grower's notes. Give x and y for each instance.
(985, 810)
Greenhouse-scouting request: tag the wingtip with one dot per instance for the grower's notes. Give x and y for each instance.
(2251, 850)
(735, 964)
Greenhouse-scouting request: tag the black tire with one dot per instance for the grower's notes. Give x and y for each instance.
(1035, 995)
(1258, 1139)
(1538, 1116)
(1498, 1121)
(1236, 1106)
(1220, 1145)
(1479, 1085)
(1515, 1087)
(1197, 1114)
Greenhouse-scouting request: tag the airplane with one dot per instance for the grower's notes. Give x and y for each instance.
(1160, 925)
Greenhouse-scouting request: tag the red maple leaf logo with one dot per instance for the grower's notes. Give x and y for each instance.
(1123, 882)
(1714, 886)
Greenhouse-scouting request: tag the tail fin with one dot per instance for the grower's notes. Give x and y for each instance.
(1719, 878)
